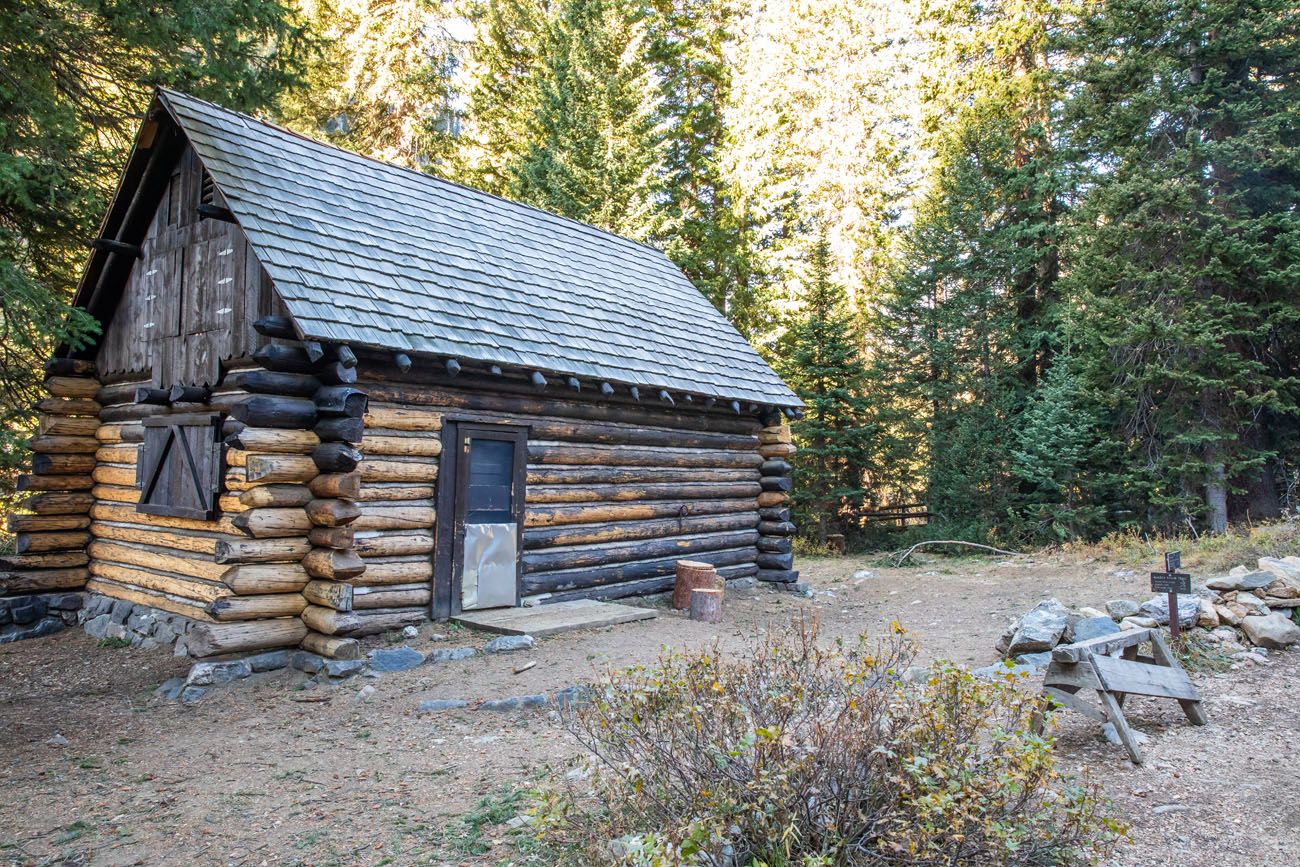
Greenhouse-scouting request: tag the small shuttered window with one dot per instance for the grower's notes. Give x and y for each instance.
(180, 466)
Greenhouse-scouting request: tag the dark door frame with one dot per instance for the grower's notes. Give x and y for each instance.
(449, 523)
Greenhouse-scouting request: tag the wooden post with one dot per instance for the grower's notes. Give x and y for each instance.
(706, 605)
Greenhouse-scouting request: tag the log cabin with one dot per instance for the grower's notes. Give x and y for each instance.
(334, 397)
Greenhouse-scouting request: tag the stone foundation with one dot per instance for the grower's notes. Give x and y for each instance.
(36, 615)
(104, 617)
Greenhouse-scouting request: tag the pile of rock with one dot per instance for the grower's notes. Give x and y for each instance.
(35, 615)
(1247, 612)
(111, 619)
(1261, 602)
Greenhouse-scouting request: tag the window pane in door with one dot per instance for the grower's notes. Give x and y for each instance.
(489, 490)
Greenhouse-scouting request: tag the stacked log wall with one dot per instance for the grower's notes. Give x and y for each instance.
(616, 492)
(198, 569)
(776, 531)
(51, 526)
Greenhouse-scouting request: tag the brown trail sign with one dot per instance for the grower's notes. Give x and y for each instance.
(1172, 582)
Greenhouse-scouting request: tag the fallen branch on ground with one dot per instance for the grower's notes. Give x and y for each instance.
(908, 553)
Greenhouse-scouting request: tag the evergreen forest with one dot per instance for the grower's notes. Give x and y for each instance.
(1032, 265)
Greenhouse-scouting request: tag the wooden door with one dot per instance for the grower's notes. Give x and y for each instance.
(479, 557)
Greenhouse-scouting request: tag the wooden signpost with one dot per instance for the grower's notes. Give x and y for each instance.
(1172, 582)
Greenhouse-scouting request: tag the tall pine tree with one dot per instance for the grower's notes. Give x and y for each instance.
(1184, 266)
(76, 74)
(593, 151)
(384, 83)
(503, 63)
(698, 223)
(821, 359)
(968, 325)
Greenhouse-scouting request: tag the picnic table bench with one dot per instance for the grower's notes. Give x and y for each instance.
(1112, 666)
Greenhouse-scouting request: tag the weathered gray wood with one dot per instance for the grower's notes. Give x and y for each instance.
(1116, 716)
(1123, 676)
(1061, 696)
(1162, 655)
(1105, 645)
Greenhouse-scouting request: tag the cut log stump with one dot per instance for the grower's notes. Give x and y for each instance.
(692, 575)
(706, 605)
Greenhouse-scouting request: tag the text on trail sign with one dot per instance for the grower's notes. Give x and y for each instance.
(1171, 582)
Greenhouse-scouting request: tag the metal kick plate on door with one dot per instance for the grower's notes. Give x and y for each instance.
(488, 579)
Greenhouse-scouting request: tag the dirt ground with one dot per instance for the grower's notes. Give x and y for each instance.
(263, 772)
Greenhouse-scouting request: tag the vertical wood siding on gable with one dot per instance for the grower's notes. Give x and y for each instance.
(191, 298)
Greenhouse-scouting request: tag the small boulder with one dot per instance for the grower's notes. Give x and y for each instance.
(269, 661)
(510, 643)
(58, 740)
(434, 705)
(307, 662)
(1118, 609)
(514, 702)
(1087, 612)
(1157, 608)
(170, 689)
(1138, 622)
(96, 627)
(1093, 627)
(1273, 631)
(410, 632)
(1280, 568)
(395, 659)
(1208, 617)
(1245, 581)
(1038, 629)
(451, 654)
(217, 673)
(1039, 661)
(571, 696)
(1006, 669)
(343, 667)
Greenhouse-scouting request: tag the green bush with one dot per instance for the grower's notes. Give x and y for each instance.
(799, 754)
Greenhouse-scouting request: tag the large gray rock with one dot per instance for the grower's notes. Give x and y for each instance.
(434, 705)
(1280, 568)
(1274, 631)
(395, 659)
(451, 654)
(1157, 608)
(1093, 627)
(1121, 608)
(217, 673)
(510, 643)
(515, 702)
(96, 627)
(1036, 630)
(1243, 581)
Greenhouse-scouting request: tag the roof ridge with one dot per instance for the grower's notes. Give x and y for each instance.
(169, 93)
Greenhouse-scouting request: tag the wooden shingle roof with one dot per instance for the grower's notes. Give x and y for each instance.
(376, 255)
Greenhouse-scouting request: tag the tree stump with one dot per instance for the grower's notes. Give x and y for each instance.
(706, 605)
(836, 542)
(690, 576)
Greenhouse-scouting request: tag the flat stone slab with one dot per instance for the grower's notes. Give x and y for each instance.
(543, 620)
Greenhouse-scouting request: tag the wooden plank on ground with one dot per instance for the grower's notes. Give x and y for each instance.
(553, 619)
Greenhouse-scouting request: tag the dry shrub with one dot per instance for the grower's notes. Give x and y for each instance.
(799, 754)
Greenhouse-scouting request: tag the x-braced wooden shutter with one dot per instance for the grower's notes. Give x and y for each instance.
(181, 465)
